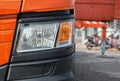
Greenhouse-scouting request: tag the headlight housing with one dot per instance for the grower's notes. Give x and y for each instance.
(37, 36)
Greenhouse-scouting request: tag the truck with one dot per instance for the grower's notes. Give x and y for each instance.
(36, 40)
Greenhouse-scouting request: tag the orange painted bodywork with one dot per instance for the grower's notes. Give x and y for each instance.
(46, 5)
(104, 10)
(117, 9)
(5, 49)
(104, 33)
(95, 1)
(9, 7)
(6, 36)
(8, 17)
(7, 23)
(79, 24)
(7, 28)
(94, 10)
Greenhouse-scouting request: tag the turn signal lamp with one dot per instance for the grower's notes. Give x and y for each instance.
(65, 34)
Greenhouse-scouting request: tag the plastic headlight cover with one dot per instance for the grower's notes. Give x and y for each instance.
(65, 35)
(37, 36)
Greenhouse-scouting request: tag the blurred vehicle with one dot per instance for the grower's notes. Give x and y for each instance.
(93, 41)
(113, 42)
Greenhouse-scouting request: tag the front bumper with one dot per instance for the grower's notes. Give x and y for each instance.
(60, 70)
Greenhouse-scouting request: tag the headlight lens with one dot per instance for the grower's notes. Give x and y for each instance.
(41, 36)
(37, 36)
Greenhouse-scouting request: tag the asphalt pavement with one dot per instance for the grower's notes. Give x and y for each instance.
(92, 66)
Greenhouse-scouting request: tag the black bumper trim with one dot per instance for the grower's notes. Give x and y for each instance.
(63, 77)
(42, 61)
(3, 70)
(62, 70)
(43, 55)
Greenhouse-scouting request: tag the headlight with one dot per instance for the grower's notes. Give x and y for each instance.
(41, 36)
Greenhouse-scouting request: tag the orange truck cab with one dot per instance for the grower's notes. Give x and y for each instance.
(36, 40)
